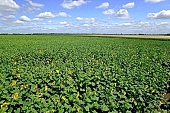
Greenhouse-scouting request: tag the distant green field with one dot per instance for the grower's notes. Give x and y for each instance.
(85, 74)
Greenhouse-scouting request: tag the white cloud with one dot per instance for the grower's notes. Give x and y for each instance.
(86, 20)
(37, 19)
(109, 12)
(134, 27)
(85, 25)
(9, 16)
(79, 18)
(8, 5)
(127, 24)
(32, 6)
(50, 21)
(103, 5)
(62, 14)
(46, 15)
(129, 5)
(164, 14)
(69, 4)
(63, 23)
(35, 4)
(51, 15)
(123, 14)
(19, 22)
(24, 18)
(154, 1)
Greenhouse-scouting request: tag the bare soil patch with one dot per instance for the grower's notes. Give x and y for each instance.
(137, 36)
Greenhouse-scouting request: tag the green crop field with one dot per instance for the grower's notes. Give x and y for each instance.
(85, 74)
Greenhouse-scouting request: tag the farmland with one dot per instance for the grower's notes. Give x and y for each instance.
(76, 73)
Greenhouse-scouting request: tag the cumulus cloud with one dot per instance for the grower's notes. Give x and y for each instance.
(62, 14)
(24, 18)
(6, 18)
(46, 15)
(35, 4)
(9, 16)
(123, 14)
(134, 27)
(103, 5)
(52, 15)
(50, 21)
(154, 1)
(164, 14)
(109, 12)
(9, 5)
(129, 5)
(69, 4)
(85, 25)
(79, 18)
(37, 19)
(32, 6)
(19, 22)
(86, 20)
(63, 23)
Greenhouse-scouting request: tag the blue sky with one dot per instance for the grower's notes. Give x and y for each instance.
(85, 16)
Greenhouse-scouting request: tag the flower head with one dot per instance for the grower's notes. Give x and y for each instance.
(40, 94)
(78, 109)
(146, 86)
(107, 68)
(160, 103)
(15, 63)
(63, 98)
(56, 100)
(15, 96)
(52, 64)
(26, 86)
(53, 83)
(132, 100)
(52, 110)
(21, 87)
(18, 75)
(13, 83)
(46, 88)
(69, 78)
(14, 70)
(153, 91)
(4, 105)
(69, 72)
(124, 93)
(111, 91)
(77, 96)
(57, 71)
(36, 87)
(50, 72)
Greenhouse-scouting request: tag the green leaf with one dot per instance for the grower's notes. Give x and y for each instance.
(141, 99)
(17, 111)
(135, 103)
(87, 108)
(113, 105)
(128, 112)
(104, 108)
(88, 100)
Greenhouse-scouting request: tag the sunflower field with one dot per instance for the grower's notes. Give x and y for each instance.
(83, 74)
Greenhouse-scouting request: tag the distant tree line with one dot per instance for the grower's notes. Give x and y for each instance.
(168, 34)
